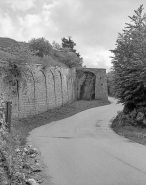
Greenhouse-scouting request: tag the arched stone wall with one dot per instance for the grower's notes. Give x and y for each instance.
(61, 86)
(51, 94)
(58, 88)
(70, 89)
(26, 96)
(32, 95)
(40, 91)
(49, 88)
(64, 89)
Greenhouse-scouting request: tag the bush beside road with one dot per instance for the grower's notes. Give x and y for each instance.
(128, 128)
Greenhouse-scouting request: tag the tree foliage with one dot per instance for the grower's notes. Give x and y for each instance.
(41, 46)
(70, 44)
(68, 58)
(65, 54)
(129, 61)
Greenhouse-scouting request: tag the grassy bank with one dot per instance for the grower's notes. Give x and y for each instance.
(134, 133)
(22, 127)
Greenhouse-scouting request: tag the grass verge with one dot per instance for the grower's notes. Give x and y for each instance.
(136, 134)
(22, 127)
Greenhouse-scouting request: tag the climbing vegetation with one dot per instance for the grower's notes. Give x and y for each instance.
(15, 68)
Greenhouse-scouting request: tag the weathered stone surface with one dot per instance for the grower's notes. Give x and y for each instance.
(91, 84)
(53, 87)
(44, 90)
(86, 86)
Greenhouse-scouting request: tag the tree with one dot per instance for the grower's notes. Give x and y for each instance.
(129, 62)
(41, 46)
(70, 44)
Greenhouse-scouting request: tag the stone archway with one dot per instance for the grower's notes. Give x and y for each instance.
(86, 85)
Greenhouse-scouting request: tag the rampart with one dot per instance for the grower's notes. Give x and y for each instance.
(44, 88)
(41, 90)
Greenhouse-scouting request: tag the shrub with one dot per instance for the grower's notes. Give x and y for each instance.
(137, 117)
(68, 58)
(121, 120)
(41, 46)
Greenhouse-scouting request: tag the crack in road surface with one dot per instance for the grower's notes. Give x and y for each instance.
(83, 150)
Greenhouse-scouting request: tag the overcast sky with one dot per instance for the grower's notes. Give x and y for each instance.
(93, 24)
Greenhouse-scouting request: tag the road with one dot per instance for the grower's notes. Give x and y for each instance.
(83, 150)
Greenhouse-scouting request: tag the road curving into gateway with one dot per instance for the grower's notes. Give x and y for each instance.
(83, 150)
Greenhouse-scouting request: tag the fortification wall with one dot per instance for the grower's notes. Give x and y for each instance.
(46, 88)
(100, 82)
(42, 89)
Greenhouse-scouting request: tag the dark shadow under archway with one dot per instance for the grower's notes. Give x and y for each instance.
(86, 85)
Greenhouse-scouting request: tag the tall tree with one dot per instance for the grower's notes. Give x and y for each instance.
(129, 61)
(70, 44)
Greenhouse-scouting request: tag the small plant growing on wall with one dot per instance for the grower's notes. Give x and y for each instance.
(15, 69)
(12, 76)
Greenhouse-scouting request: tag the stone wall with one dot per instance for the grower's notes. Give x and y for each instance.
(46, 88)
(100, 87)
(43, 89)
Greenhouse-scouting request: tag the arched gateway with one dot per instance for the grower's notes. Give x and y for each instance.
(91, 84)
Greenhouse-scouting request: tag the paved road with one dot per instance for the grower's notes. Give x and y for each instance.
(83, 150)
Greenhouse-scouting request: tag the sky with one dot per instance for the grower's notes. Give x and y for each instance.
(93, 24)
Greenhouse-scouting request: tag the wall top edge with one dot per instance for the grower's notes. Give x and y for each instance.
(37, 65)
(95, 69)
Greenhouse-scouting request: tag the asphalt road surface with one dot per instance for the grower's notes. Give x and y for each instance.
(83, 150)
